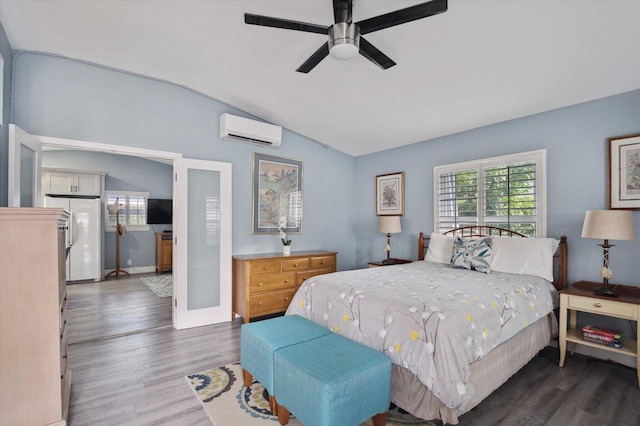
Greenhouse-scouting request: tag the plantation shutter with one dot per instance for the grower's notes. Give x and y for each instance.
(502, 191)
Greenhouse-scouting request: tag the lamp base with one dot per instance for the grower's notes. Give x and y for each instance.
(605, 291)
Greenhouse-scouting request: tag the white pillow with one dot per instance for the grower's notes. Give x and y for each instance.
(440, 248)
(527, 256)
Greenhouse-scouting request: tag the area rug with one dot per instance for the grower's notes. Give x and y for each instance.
(161, 285)
(229, 403)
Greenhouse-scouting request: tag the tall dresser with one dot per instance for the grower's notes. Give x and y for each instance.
(265, 283)
(36, 382)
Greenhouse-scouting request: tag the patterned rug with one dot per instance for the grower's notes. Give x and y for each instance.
(229, 403)
(161, 285)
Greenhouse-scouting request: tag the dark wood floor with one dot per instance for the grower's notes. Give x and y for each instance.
(138, 378)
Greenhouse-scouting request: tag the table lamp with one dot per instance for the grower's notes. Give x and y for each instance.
(607, 225)
(388, 225)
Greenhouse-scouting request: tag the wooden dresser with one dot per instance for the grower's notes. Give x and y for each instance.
(264, 284)
(164, 251)
(36, 382)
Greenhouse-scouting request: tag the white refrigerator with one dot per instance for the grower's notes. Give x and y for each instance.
(84, 261)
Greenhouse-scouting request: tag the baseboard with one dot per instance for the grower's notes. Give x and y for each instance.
(137, 270)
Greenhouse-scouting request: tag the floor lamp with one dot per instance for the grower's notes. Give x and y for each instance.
(120, 232)
(607, 225)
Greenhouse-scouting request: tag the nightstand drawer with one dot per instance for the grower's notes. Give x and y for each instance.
(605, 307)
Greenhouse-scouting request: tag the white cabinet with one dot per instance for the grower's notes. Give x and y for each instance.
(67, 183)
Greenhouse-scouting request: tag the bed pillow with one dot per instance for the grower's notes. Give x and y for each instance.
(472, 253)
(527, 256)
(440, 248)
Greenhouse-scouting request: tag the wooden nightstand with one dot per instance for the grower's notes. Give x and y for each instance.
(395, 262)
(580, 297)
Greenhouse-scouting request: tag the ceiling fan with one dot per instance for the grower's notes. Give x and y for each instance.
(345, 37)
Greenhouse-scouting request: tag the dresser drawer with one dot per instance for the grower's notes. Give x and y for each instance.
(298, 264)
(267, 303)
(323, 262)
(600, 306)
(264, 267)
(305, 275)
(63, 352)
(269, 282)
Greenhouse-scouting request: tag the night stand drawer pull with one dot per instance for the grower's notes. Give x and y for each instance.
(598, 305)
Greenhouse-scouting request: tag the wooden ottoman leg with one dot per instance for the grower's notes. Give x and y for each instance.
(273, 405)
(379, 419)
(247, 378)
(283, 415)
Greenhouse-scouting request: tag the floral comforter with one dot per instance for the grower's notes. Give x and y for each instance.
(427, 317)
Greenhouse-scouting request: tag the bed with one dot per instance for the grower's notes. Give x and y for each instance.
(454, 334)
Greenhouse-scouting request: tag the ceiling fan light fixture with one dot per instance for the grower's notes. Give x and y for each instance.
(344, 41)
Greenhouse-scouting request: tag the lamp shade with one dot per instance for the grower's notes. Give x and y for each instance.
(608, 225)
(389, 224)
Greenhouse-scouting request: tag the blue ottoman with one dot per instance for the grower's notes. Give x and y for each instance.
(260, 340)
(332, 381)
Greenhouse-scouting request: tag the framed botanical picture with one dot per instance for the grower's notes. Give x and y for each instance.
(390, 194)
(277, 194)
(624, 172)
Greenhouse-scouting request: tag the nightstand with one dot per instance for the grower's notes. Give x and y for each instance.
(394, 262)
(579, 297)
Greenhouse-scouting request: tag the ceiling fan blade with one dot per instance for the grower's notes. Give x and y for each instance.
(402, 16)
(343, 11)
(314, 59)
(372, 53)
(286, 24)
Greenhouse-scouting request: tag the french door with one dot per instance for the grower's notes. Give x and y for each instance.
(202, 242)
(24, 167)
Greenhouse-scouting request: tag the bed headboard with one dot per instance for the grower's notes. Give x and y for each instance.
(560, 257)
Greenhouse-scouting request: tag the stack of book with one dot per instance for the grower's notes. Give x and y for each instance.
(602, 335)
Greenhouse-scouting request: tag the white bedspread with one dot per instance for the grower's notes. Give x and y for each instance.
(427, 317)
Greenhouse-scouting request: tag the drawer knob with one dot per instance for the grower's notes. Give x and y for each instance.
(286, 281)
(259, 303)
(598, 305)
(259, 284)
(286, 299)
(322, 263)
(265, 268)
(295, 265)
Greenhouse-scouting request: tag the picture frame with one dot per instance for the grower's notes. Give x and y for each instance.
(390, 194)
(624, 172)
(277, 192)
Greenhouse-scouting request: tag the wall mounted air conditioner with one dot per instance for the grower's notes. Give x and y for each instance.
(243, 129)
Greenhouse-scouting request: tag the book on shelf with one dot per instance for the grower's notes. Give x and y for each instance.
(603, 338)
(602, 342)
(602, 331)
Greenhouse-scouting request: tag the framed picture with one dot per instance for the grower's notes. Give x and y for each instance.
(624, 172)
(277, 194)
(390, 194)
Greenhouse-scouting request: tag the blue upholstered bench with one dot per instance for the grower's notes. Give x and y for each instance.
(260, 340)
(332, 381)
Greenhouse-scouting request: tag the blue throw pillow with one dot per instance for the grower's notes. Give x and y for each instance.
(472, 253)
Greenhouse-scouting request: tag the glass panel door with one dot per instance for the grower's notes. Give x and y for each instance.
(25, 159)
(202, 242)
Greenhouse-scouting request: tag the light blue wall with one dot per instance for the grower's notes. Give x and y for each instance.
(64, 98)
(575, 139)
(125, 173)
(6, 52)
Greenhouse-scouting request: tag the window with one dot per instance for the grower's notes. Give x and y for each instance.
(506, 191)
(132, 211)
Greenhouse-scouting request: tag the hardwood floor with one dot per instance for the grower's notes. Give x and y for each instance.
(113, 307)
(139, 378)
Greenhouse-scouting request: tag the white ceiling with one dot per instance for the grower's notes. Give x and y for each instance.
(481, 62)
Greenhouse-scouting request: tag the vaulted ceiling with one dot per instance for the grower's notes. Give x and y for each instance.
(479, 63)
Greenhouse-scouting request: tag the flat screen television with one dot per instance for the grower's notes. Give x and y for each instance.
(159, 211)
